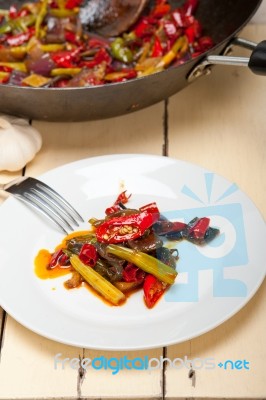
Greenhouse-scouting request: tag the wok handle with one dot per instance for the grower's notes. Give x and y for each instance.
(256, 62)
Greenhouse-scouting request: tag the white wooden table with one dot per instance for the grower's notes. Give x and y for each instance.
(219, 123)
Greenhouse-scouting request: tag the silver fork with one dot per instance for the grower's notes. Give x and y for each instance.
(45, 200)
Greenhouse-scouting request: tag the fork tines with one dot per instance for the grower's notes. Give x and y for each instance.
(47, 201)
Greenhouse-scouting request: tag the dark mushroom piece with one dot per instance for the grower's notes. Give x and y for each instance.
(111, 17)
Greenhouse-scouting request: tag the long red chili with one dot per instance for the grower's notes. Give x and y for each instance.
(120, 229)
(153, 290)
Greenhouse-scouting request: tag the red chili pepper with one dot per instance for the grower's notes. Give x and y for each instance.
(153, 290)
(70, 4)
(71, 37)
(160, 10)
(205, 43)
(4, 80)
(88, 254)
(5, 69)
(23, 13)
(190, 6)
(98, 43)
(19, 39)
(178, 226)
(193, 31)
(54, 4)
(65, 59)
(102, 55)
(61, 83)
(120, 229)
(170, 29)
(143, 28)
(151, 208)
(13, 12)
(179, 17)
(198, 230)
(111, 210)
(131, 273)
(157, 50)
(126, 74)
(59, 258)
(122, 198)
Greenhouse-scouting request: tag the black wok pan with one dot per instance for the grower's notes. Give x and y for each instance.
(221, 19)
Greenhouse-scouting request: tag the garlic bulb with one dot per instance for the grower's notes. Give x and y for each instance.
(19, 142)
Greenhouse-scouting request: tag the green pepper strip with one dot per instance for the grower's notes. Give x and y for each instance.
(19, 24)
(40, 17)
(145, 262)
(120, 51)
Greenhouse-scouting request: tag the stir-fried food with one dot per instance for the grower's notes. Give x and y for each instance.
(126, 250)
(45, 44)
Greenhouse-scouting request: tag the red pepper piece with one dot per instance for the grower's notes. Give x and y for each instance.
(205, 43)
(190, 6)
(102, 55)
(5, 69)
(122, 198)
(178, 16)
(19, 39)
(4, 80)
(193, 31)
(198, 230)
(13, 12)
(126, 74)
(98, 43)
(120, 229)
(157, 50)
(131, 273)
(70, 4)
(160, 10)
(59, 258)
(151, 208)
(23, 13)
(153, 290)
(170, 29)
(71, 37)
(54, 4)
(111, 210)
(88, 254)
(61, 83)
(65, 59)
(143, 28)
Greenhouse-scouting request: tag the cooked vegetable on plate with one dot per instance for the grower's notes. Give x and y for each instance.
(127, 250)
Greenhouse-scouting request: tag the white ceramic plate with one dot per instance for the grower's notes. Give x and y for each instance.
(214, 281)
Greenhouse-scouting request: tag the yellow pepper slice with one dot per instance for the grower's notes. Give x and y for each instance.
(65, 71)
(14, 65)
